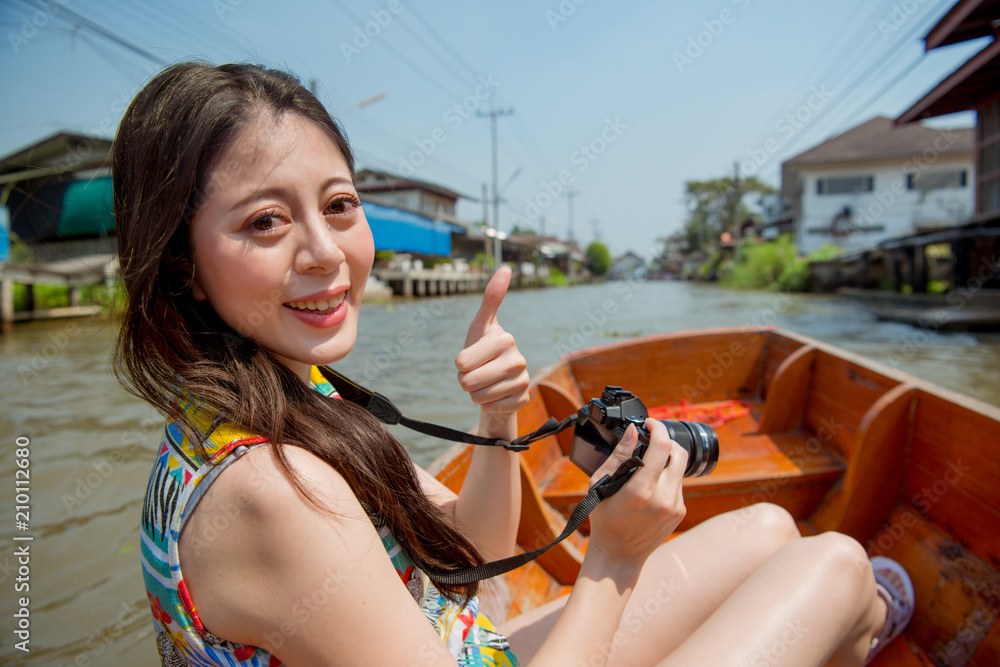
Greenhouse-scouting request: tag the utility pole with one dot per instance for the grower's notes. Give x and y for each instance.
(492, 115)
(486, 223)
(569, 198)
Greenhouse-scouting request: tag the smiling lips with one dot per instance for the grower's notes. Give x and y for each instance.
(322, 307)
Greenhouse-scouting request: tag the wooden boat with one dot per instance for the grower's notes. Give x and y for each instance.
(908, 468)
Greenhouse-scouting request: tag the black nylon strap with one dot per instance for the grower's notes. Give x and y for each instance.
(606, 487)
(383, 408)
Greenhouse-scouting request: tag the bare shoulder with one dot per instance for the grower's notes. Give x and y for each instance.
(267, 567)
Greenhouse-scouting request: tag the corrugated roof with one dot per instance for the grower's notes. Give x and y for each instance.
(60, 152)
(880, 138)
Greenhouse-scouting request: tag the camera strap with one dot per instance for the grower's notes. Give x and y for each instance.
(605, 487)
(383, 408)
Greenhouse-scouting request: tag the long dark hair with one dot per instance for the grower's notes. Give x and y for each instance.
(171, 345)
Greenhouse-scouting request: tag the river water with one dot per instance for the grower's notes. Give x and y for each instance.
(91, 445)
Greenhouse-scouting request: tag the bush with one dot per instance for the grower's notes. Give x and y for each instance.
(557, 278)
(775, 265)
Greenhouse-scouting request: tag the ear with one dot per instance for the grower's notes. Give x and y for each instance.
(196, 291)
(187, 268)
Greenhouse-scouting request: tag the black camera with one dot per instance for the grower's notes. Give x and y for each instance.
(602, 423)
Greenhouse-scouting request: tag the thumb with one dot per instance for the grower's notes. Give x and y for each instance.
(496, 290)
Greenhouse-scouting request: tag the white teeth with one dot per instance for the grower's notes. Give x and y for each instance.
(321, 305)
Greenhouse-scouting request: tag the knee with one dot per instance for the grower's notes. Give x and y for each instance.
(768, 525)
(776, 522)
(839, 558)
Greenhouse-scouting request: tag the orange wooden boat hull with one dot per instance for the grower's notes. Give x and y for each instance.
(908, 468)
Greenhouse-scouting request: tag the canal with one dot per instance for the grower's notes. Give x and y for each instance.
(91, 445)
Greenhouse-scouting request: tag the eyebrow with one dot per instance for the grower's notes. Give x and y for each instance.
(277, 191)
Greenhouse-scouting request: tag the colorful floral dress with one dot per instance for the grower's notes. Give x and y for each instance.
(179, 479)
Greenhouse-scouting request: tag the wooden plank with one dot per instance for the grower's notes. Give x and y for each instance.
(839, 396)
(786, 396)
(957, 592)
(903, 652)
(874, 469)
(543, 453)
(694, 366)
(560, 404)
(778, 348)
(537, 529)
(953, 475)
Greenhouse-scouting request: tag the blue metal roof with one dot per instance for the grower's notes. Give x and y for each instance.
(403, 231)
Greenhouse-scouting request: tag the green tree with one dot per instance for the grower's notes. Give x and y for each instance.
(599, 258)
(717, 206)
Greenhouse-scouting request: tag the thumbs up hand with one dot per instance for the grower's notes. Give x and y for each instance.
(490, 368)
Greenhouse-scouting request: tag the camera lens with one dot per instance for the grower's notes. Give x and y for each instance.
(701, 443)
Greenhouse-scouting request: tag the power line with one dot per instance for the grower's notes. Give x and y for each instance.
(391, 49)
(855, 84)
(108, 35)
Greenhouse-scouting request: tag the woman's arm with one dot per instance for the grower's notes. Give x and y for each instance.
(493, 372)
(316, 587)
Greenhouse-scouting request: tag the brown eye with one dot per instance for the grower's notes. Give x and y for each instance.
(263, 222)
(342, 205)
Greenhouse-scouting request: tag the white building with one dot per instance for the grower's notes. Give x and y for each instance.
(879, 181)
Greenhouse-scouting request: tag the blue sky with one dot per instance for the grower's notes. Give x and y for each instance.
(621, 102)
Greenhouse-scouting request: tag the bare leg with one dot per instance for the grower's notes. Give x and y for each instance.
(682, 584)
(812, 603)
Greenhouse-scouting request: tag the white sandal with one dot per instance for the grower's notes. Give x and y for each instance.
(896, 590)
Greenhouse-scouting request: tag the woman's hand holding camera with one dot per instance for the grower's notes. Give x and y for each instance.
(627, 527)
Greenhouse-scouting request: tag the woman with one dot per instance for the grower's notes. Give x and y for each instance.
(283, 527)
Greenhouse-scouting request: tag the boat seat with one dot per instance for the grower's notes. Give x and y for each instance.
(791, 469)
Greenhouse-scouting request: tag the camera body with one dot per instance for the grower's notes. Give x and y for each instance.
(603, 421)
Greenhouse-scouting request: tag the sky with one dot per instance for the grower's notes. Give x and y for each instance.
(619, 103)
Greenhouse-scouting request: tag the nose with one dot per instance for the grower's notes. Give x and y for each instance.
(318, 250)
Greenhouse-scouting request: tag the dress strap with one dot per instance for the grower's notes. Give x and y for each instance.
(210, 476)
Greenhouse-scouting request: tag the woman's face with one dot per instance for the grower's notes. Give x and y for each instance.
(281, 247)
